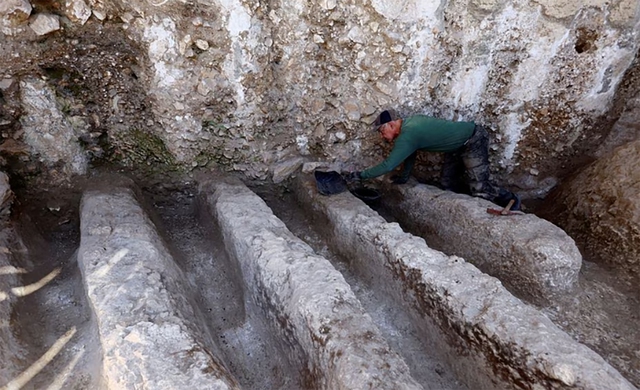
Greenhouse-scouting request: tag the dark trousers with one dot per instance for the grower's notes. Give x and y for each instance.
(471, 161)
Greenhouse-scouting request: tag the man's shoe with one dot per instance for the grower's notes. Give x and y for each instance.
(504, 197)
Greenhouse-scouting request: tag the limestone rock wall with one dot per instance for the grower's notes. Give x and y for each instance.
(626, 126)
(52, 139)
(600, 207)
(248, 84)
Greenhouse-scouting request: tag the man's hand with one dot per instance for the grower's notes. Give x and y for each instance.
(397, 179)
(350, 177)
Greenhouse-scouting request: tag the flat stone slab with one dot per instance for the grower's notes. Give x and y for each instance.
(150, 335)
(490, 338)
(531, 256)
(308, 301)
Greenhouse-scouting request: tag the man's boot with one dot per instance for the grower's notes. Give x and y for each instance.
(504, 197)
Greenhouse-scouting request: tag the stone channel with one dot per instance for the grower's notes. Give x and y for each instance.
(232, 289)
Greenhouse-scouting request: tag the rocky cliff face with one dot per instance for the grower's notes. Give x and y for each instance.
(250, 84)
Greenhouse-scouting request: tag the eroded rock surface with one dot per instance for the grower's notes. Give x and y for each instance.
(48, 131)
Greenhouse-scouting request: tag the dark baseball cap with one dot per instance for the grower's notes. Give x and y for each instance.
(384, 117)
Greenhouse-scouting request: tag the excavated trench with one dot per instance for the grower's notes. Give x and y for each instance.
(201, 284)
(51, 322)
(395, 324)
(248, 349)
(600, 310)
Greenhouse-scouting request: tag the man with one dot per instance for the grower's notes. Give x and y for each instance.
(463, 142)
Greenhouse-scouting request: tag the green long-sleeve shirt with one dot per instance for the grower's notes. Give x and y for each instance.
(421, 132)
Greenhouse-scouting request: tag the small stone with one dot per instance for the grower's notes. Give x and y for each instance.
(353, 110)
(5, 84)
(285, 169)
(320, 131)
(127, 17)
(309, 167)
(356, 35)
(368, 109)
(45, 23)
(100, 15)
(561, 372)
(78, 11)
(303, 144)
(317, 105)
(386, 88)
(202, 44)
(328, 4)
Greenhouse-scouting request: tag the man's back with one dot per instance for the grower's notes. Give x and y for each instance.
(433, 134)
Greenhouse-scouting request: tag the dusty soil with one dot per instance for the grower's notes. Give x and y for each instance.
(603, 314)
(250, 352)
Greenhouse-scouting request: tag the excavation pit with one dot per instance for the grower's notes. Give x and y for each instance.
(319, 292)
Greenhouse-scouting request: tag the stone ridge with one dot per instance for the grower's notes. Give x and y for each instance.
(492, 339)
(146, 324)
(308, 300)
(532, 257)
(10, 348)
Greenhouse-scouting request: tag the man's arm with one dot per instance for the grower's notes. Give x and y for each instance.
(409, 162)
(399, 153)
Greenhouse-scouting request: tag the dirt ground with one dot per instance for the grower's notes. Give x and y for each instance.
(602, 313)
(47, 223)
